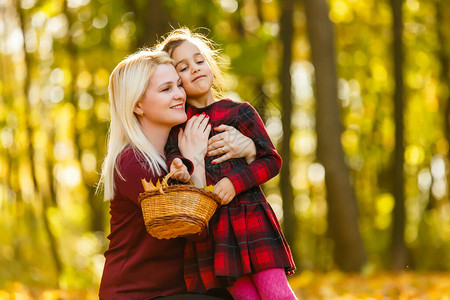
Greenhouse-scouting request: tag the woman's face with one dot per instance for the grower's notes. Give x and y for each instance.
(163, 102)
(193, 69)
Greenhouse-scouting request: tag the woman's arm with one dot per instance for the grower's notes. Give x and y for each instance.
(189, 145)
(179, 170)
(172, 152)
(192, 145)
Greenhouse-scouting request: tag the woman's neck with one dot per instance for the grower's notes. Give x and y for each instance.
(201, 100)
(157, 135)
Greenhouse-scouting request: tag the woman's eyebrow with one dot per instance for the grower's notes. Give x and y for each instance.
(167, 82)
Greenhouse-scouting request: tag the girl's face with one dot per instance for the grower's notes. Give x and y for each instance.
(193, 69)
(163, 102)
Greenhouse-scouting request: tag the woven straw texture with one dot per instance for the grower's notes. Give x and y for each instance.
(177, 210)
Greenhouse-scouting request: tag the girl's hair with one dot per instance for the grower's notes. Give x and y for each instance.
(127, 85)
(206, 46)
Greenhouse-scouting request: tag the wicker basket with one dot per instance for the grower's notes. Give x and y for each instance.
(177, 210)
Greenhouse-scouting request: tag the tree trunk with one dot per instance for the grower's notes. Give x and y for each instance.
(152, 21)
(261, 100)
(349, 251)
(399, 252)
(51, 194)
(286, 33)
(444, 58)
(95, 202)
(261, 95)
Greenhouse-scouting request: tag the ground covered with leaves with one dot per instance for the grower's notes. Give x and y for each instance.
(402, 286)
(307, 286)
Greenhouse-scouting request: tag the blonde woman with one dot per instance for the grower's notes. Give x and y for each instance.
(147, 100)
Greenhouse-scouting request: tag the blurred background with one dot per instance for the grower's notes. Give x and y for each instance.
(354, 94)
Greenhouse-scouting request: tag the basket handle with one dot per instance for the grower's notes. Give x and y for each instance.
(168, 176)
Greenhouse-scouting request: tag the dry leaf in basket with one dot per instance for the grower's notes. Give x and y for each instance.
(148, 186)
(209, 188)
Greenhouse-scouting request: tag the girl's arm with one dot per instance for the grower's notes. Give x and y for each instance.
(267, 163)
(232, 144)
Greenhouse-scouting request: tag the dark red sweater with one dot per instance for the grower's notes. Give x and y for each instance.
(138, 266)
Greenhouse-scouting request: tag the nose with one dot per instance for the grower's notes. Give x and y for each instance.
(180, 94)
(195, 69)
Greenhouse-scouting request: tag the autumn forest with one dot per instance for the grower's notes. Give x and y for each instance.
(355, 95)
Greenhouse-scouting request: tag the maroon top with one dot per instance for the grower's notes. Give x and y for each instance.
(245, 236)
(138, 266)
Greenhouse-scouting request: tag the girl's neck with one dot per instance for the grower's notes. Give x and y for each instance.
(201, 100)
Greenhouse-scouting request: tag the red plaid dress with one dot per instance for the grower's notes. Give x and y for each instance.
(247, 237)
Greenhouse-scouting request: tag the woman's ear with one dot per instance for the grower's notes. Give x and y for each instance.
(138, 110)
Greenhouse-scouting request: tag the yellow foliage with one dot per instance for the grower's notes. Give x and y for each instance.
(336, 285)
(340, 12)
(307, 285)
(414, 155)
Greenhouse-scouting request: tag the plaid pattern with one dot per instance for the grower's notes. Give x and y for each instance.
(247, 236)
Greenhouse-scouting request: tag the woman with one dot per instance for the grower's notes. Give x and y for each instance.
(147, 100)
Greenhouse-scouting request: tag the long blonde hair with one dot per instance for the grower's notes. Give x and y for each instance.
(127, 84)
(206, 46)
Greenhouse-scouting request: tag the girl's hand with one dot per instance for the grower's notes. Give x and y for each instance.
(192, 141)
(232, 144)
(181, 171)
(225, 190)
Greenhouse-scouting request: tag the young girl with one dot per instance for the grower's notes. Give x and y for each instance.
(246, 251)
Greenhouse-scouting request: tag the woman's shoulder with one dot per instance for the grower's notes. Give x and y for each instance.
(127, 155)
(131, 168)
(131, 162)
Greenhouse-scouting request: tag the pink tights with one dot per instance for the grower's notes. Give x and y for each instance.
(269, 284)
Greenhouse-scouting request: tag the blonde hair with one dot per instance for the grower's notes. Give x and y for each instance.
(127, 84)
(206, 46)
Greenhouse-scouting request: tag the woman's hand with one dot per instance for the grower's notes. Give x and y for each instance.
(232, 144)
(192, 141)
(225, 190)
(181, 171)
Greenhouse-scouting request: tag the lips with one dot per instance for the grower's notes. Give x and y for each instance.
(198, 77)
(178, 106)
